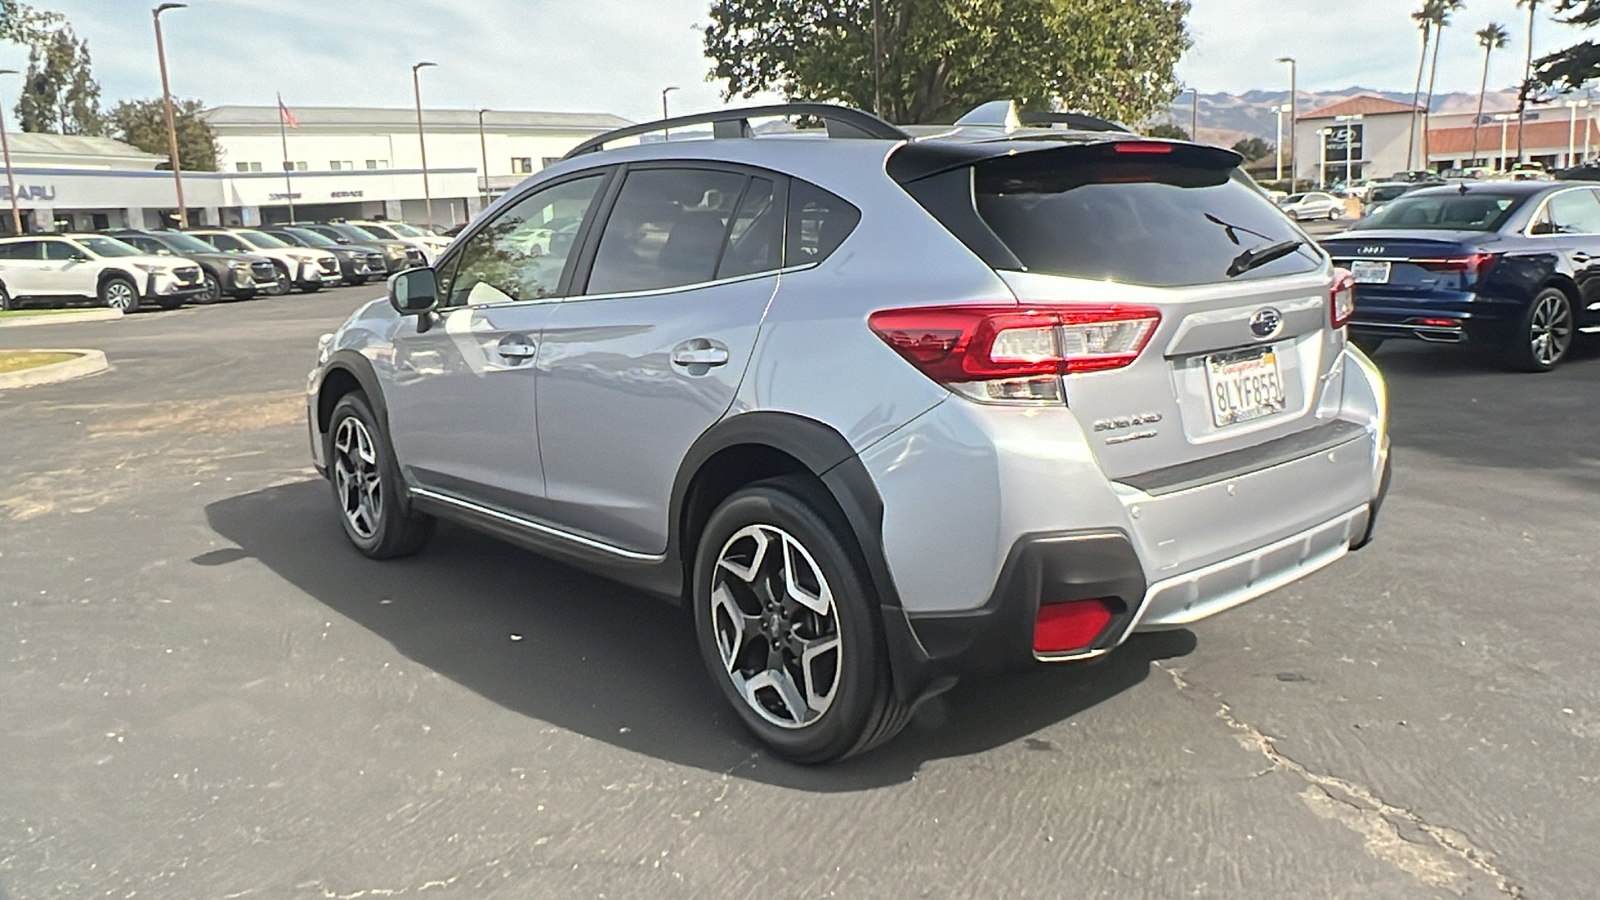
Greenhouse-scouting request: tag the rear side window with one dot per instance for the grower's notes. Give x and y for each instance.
(819, 222)
(20, 250)
(1138, 222)
(667, 229)
(1570, 212)
(755, 242)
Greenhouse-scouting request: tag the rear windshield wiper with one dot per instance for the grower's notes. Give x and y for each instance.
(1260, 256)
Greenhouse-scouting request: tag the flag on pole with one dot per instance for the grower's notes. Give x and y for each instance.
(285, 116)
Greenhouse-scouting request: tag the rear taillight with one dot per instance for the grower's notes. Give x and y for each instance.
(1012, 354)
(1342, 303)
(1474, 265)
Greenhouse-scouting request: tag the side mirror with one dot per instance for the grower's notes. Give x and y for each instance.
(413, 292)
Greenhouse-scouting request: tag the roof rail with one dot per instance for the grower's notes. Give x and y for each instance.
(1075, 120)
(842, 122)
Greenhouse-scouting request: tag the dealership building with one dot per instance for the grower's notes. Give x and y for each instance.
(342, 162)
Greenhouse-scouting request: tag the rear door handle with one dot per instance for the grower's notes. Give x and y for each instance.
(699, 352)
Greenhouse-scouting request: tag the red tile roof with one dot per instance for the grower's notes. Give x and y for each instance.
(1536, 136)
(1364, 105)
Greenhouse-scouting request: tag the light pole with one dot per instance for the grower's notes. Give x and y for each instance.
(1194, 113)
(1504, 119)
(1572, 128)
(1294, 115)
(11, 183)
(166, 99)
(1322, 157)
(1277, 149)
(483, 146)
(422, 141)
(664, 92)
(1350, 123)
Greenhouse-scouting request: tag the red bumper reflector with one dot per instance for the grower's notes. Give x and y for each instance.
(1066, 627)
(1437, 323)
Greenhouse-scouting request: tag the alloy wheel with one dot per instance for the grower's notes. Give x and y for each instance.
(355, 477)
(1551, 329)
(119, 295)
(775, 626)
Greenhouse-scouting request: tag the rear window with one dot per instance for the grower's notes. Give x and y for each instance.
(1136, 222)
(1450, 211)
(1385, 194)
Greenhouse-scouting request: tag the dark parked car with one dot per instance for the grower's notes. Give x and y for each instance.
(232, 275)
(397, 255)
(1514, 266)
(356, 263)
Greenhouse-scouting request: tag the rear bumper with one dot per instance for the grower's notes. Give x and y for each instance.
(1180, 546)
(1444, 317)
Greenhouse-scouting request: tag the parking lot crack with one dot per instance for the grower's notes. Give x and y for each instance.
(1439, 856)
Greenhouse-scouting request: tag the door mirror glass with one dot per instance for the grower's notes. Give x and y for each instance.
(413, 292)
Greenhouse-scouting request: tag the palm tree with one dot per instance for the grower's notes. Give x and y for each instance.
(1491, 38)
(1441, 10)
(1424, 19)
(1527, 72)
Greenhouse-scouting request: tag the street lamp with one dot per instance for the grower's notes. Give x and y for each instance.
(483, 146)
(1349, 145)
(1322, 158)
(1504, 119)
(664, 92)
(1194, 112)
(422, 142)
(1277, 149)
(11, 183)
(166, 99)
(1572, 128)
(1294, 116)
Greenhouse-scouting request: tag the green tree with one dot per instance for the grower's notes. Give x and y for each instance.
(22, 24)
(1574, 66)
(59, 93)
(1166, 131)
(940, 58)
(1440, 10)
(143, 123)
(1253, 148)
(1491, 37)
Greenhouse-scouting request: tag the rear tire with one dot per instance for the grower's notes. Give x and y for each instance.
(118, 292)
(788, 626)
(6, 302)
(367, 487)
(1544, 335)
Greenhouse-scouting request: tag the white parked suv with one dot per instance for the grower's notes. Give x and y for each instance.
(302, 268)
(56, 267)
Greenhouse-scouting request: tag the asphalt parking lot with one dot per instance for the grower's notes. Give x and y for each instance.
(208, 694)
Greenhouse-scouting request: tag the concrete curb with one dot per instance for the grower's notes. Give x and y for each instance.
(89, 362)
(86, 315)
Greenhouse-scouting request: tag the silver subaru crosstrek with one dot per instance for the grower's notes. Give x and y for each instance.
(880, 411)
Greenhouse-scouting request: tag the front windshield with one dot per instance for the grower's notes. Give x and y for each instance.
(310, 238)
(1447, 211)
(405, 230)
(104, 246)
(1385, 194)
(185, 243)
(377, 231)
(261, 239)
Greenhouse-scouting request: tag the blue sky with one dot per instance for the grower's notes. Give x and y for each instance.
(616, 55)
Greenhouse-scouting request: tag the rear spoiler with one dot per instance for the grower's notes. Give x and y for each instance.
(917, 160)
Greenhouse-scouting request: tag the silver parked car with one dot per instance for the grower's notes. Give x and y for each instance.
(1312, 205)
(881, 412)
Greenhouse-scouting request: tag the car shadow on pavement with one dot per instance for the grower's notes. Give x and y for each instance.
(612, 663)
(1461, 405)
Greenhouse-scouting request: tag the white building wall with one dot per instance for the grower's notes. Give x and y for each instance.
(446, 150)
(1383, 148)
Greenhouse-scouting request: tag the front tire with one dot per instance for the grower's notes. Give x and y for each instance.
(213, 292)
(118, 292)
(788, 626)
(1545, 334)
(367, 487)
(6, 301)
(285, 282)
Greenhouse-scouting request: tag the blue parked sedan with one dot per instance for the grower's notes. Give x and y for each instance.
(1509, 265)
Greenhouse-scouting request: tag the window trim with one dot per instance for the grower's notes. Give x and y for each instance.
(1544, 207)
(780, 194)
(452, 255)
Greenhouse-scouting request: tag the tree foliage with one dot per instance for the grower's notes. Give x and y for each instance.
(1575, 65)
(941, 58)
(59, 93)
(1166, 131)
(22, 24)
(143, 123)
(1253, 148)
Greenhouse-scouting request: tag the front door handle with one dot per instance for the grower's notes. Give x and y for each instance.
(699, 354)
(517, 349)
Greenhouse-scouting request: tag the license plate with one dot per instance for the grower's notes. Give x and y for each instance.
(1245, 385)
(1370, 271)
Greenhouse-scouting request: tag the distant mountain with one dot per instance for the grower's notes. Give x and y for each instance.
(1228, 118)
